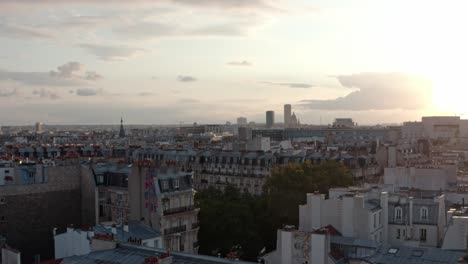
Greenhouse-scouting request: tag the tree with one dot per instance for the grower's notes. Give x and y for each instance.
(288, 185)
(237, 219)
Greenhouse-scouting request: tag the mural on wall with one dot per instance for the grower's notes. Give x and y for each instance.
(150, 190)
(302, 247)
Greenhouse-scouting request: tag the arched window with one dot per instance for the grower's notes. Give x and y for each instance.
(398, 214)
(424, 214)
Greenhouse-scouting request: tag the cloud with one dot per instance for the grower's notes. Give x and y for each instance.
(144, 30)
(111, 52)
(292, 85)
(92, 76)
(378, 91)
(7, 92)
(226, 29)
(186, 78)
(23, 31)
(87, 92)
(230, 4)
(239, 63)
(145, 93)
(66, 70)
(46, 93)
(68, 74)
(188, 101)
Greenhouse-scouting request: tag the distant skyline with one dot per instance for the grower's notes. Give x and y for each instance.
(211, 61)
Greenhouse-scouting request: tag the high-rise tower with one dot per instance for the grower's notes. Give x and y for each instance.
(270, 118)
(287, 115)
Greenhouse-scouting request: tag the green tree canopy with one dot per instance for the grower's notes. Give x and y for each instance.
(233, 217)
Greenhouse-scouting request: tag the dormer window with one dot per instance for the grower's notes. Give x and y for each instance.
(424, 214)
(165, 185)
(175, 183)
(398, 214)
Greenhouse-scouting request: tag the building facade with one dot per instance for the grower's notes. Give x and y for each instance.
(163, 198)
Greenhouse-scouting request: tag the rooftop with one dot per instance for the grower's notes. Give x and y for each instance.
(394, 255)
(127, 254)
(136, 230)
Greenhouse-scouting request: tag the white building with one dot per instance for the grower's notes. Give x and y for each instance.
(388, 219)
(412, 131)
(371, 227)
(441, 127)
(353, 216)
(259, 144)
(421, 177)
(241, 121)
(457, 229)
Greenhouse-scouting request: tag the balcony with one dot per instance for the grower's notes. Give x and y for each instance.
(178, 210)
(174, 230)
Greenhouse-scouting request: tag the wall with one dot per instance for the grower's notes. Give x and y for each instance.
(33, 210)
(89, 197)
(419, 178)
(10, 256)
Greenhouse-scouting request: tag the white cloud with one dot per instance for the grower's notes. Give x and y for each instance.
(378, 91)
(111, 52)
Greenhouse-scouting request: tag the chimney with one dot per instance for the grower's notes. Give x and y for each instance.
(114, 229)
(70, 229)
(126, 227)
(54, 231)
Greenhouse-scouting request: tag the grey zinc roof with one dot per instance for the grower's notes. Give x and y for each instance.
(127, 254)
(136, 230)
(414, 255)
(351, 241)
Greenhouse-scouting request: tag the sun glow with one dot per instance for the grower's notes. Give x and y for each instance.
(428, 39)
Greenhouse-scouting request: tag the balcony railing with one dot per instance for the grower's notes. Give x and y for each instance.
(174, 230)
(178, 210)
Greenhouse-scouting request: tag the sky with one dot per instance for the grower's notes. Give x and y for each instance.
(211, 61)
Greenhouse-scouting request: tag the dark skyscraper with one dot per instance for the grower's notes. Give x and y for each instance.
(287, 115)
(270, 118)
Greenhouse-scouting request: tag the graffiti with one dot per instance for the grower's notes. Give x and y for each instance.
(301, 246)
(151, 201)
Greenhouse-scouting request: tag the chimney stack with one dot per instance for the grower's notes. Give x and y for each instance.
(126, 227)
(114, 230)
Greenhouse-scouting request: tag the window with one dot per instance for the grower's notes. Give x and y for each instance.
(375, 221)
(380, 218)
(424, 214)
(100, 179)
(398, 234)
(404, 233)
(166, 203)
(422, 234)
(2, 200)
(2, 218)
(165, 185)
(398, 214)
